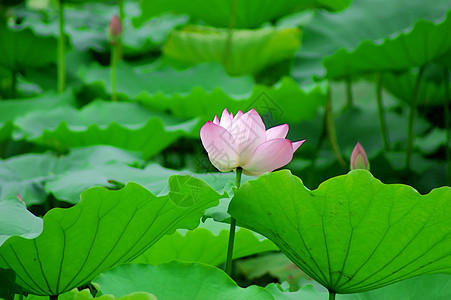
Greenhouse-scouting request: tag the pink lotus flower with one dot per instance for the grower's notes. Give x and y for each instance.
(243, 141)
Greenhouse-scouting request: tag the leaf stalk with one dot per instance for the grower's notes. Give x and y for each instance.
(61, 50)
(330, 130)
(447, 125)
(413, 108)
(381, 112)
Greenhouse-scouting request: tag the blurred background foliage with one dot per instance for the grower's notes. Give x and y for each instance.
(338, 72)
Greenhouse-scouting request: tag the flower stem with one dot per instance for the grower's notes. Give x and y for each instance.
(228, 266)
(381, 112)
(447, 121)
(330, 130)
(413, 108)
(332, 295)
(113, 70)
(121, 17)
(228, 44)
(349, 96)
(13, 84)
(54, 297)
(61, 49)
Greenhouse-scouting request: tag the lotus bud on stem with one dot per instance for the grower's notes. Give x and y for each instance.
(114, 36)
(18, 196)
(359, 160)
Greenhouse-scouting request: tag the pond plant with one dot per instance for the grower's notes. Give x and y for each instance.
(118, 180)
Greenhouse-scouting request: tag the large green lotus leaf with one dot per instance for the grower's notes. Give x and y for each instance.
(22, 49)
(353, 233)
(435, 286)
(251, 49)
(432, 141)
(205, 90)
(425, 42)
(35, 175)
(249, 14)
(11, 109)
(135, 40)
(176, 280)
(366, 129)
(277, 265)
(8, 288)
(125, 125)
(85, 294)
(30, 174)
(306, 292)
(15, 219)
(205, 245)
(25, 175)
(105, 229)
(366, 26)
(68, 184)
(154, 79)
(403, 86)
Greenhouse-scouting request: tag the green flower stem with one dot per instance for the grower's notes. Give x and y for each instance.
(447, 121)
(228, 44)
(122, 18)
(413, 108)
(381, 112)
(53, 297)
(330, 130)
(349, 96)
(331, 295)
(13, 83)
(61, 49)
(228, 267)
(113, 69)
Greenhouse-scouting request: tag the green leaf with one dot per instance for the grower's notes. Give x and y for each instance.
(275, 264)
(11, 109)
(26, 175)
(424, 43)
(121, 125)
(435, 286)
(251, 50)
(217, 12)
(22, 49)
(105, 229)
(176, 280)
(205, 90)
(204, 245)
(33, 175)
(86, 295)
(7, 284)
(403, 85)
(15, 219)
(135, 40)
(327, 38)
(353, 233)
(306, 292)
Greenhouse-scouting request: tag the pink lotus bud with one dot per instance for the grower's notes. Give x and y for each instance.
(243, 141)
(359, 160)
(20, 198)
(114, 29)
